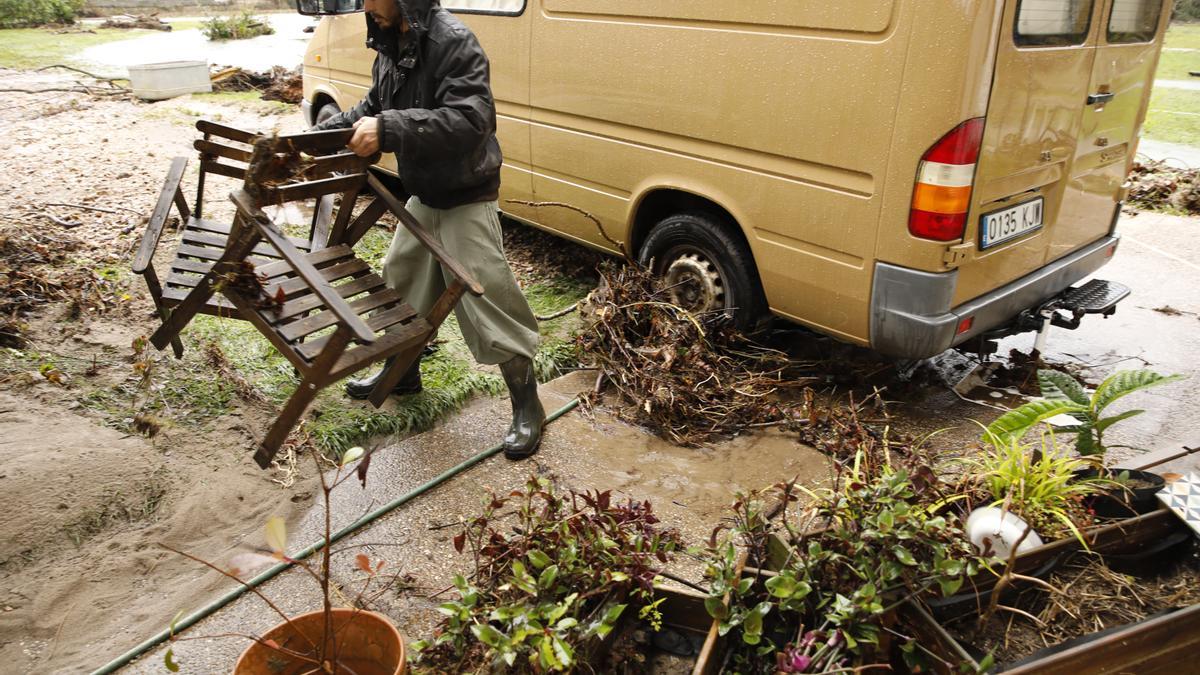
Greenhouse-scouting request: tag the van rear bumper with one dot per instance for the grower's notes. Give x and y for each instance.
(911, 316)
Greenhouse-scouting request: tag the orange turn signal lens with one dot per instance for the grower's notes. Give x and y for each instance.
(940, 199)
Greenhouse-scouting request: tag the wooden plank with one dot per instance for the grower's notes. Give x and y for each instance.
(323, 257)
(292, 286)
(364, 284)
(319, 142)
(342, 162)
(434, 246)
(209, 149)
(166, 197)
(337, 233)
(365, 221)
(156, 293)
(182, 265)
(210, 127)
(216, 305)
(311, 189)
(318, 237)
(304, 269)
(377, 322)
(181, 204)
(215, 240)
(213, 166)
(400, 338)
(1164, 644)
(311, 324)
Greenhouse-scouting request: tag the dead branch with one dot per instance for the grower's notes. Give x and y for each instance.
(94, 76)
(596, 221)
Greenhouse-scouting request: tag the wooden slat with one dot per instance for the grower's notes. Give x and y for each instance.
(323, 257)
(379, 321)
(210, 127)
(222, 150)
(418, 231)
(158, 216)
(181, 265)
(212, 166)
(216, 305)
(304, 269)
(207, 252)
(308, 303)
(344, 162)
(405, 336)
(311, 189)
(319, 142)
(320, 320)
(319, 232)
(294, 285)
(212, 239)
(337, 232)
(365, 221)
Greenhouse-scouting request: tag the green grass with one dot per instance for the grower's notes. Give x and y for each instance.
(1176, 65)
(1183, 36)
(248, 99)
(1174, 116)
(29, 48)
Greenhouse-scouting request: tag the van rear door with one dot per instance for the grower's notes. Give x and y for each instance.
(1129, 38)
(1044, 63)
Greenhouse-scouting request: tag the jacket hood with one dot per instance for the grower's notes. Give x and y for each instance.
(418, 13)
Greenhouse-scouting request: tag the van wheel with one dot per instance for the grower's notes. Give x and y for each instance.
(327, 110)
(704, 267)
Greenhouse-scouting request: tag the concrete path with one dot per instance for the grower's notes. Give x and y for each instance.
(1175, 154)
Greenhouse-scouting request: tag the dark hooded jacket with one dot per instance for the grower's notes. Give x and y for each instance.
(430, 92)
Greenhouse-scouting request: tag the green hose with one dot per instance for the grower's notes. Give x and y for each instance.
(274, 570)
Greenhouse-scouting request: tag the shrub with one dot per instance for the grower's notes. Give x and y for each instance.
(1186, 10)
(22, 13)
(235, 27)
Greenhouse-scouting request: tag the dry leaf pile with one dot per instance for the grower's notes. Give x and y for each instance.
(276, 84)
(1158, 186)
(689, 379)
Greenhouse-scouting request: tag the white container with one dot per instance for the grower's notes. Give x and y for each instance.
(994, 529)
(158, 81)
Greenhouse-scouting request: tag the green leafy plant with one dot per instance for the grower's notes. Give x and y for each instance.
(303, 652)
(880, 542)
(236, 27)
(1062, 394)
(22, 13)
(548, 588)
(1041, 485)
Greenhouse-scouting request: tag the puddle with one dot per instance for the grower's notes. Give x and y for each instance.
(284, 48)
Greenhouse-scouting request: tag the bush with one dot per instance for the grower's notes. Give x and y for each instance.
(234, 27)
(22, 13)
(1186, 10)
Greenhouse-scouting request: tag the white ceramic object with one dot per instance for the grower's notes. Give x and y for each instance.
(991, 528)
(158, 81)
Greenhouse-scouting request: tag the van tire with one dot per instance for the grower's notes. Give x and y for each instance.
(712, 268)
(327, 110)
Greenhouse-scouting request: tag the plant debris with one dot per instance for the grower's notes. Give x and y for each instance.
(131, 21)
(1156, 185)
(276, 84)
(687, 378)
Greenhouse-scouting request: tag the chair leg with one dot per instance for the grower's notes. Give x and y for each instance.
(156, 293)
(185, 311)
(388, 381)
(316, 378)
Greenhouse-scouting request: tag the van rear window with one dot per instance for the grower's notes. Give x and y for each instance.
(1053, 22)
(1134, 20)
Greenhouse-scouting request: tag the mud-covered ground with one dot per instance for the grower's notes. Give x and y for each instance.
(89, 494)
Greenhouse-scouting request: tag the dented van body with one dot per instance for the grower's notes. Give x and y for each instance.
(908, 175)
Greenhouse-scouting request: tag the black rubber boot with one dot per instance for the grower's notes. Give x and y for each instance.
(409, 384)
(528, 416)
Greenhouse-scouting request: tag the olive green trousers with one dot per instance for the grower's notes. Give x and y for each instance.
(497, 325)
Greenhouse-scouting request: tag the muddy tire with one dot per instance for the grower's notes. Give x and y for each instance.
(327, 110)
(706, 267)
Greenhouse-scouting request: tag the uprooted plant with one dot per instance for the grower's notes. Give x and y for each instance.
(551, 585)
(860, 549)
(314, 651)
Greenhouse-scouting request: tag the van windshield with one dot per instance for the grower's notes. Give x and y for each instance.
(1052, 22)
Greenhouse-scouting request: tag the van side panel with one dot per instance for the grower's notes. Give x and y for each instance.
(782, 112)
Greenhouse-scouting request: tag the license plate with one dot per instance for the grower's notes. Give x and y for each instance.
(999, 226)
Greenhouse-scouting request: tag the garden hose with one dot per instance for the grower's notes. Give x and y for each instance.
(211, 608)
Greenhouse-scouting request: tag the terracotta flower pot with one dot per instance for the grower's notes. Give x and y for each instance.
(368, 643)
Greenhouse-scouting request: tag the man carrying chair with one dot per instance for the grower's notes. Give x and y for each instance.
(431, 103)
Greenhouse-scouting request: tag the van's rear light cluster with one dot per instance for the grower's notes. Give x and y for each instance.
(945, 175)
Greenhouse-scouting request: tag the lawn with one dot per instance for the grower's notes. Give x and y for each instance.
(1174, 116)
(1183, 36)
(29, 48)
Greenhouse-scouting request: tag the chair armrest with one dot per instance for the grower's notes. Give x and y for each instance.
(169, 195)
(304, 269)
(424, 237)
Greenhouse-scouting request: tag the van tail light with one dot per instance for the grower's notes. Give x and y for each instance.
(945, 175)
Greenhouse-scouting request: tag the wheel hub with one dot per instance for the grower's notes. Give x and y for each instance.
(694, 284)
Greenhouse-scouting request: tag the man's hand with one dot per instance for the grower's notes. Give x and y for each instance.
(365, 141)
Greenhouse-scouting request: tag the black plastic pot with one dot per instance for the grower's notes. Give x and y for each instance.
(1122, 502)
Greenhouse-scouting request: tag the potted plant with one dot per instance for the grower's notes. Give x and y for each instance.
(550, 587)
(860, 550)
(328, 641)
(1063, 395)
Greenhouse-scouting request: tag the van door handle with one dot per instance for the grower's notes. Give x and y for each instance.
(1107, 96)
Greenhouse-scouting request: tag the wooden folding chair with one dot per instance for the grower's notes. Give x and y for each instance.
(323, 309)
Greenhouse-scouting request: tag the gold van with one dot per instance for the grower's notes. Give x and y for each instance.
(908, 175)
